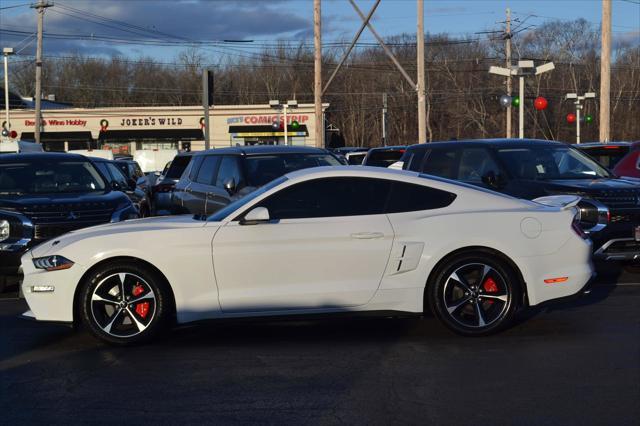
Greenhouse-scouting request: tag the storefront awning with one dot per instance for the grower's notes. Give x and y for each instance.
(152, 135)
(58, 136)
(266, 131)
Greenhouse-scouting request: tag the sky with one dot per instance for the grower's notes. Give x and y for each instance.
(82, 25)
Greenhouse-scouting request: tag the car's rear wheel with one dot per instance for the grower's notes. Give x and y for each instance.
(475, 294)
(124, 302)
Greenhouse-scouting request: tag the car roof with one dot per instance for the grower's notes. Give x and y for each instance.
(389, 148)
(31, 156)
(488, 142)
(263, 149)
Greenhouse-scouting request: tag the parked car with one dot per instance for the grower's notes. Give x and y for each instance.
(342, 152)
(608, 154)
(153, 160)
(44, 195)
(629, 165)
(610, 207)
(135, 189)
(163, 188)
(383, 156)
(322, 240)
(355, 158)
(218, 176)
(105, 154)
(17, 147)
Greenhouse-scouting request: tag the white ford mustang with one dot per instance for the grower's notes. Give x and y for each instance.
(322, 240)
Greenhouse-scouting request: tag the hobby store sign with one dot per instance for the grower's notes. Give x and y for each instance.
(52, 122)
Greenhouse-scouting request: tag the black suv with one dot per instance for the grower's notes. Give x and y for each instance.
(48, 194)
(163, 188)
(610, 206)
(134, 188)
(216, 177)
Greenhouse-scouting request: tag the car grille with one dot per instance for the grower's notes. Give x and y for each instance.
(52, 220)
(620, 217)
(619, 198)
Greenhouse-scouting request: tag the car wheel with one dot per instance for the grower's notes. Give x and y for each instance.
(475, 294)
(124, 303)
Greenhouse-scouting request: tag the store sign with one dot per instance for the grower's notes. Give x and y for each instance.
(151, 121)
(267, 119)
(265, 134)
(52, 122)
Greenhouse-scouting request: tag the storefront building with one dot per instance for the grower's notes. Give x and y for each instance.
(124, 130)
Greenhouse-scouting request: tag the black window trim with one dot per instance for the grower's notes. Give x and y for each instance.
(385, 208)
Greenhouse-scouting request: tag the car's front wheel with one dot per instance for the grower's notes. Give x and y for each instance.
(124, 302)
(475, 294)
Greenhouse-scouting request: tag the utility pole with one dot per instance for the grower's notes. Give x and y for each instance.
(422, 101)
(317, 73)
(384, 119)
(7, 126)
(605, 73)
(40, 7)
(508, 54)
(207, 101)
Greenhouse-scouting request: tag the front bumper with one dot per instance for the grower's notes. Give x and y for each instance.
(619, 249)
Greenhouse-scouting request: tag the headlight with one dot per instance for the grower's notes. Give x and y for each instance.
(4, 229)
(52, 263)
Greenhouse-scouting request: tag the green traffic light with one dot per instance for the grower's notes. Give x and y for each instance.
(588, 118)
(515, 101)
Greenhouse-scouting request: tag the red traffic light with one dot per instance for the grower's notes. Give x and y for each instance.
(540, 103)
(13, 134)
(571, 118)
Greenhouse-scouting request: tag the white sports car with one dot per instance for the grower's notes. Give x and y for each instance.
(322, 240)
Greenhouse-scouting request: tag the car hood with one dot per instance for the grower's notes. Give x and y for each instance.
(131, 227)
(19, 202)
(587, 185)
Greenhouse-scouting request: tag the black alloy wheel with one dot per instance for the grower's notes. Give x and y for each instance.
(475, 294)
(124, 303)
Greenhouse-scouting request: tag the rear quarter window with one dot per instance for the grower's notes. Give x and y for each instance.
(408, 197)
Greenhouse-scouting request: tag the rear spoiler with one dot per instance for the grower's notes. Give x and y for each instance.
(565, 202)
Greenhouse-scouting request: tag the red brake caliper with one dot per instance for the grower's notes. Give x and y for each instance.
(490, 286)
(142, 309)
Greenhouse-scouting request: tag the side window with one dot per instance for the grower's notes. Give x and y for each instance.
(407, 197)
(476, 163)
(207, 170)
(329, 197)
(229, 168)
(192, 168)
(414, 159)
(118, 176)
(441, 162)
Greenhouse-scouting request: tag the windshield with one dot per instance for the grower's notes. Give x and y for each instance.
(177, 167)
(223, 213)
(550, 162)
(262, 169)
(49, 177)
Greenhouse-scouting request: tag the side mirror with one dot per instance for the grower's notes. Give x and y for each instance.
(116, 186)
(230, 186)
(256, 216)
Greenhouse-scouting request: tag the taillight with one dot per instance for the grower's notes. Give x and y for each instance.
(575, 225)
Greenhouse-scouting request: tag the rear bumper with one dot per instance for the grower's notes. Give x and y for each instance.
(619, 249)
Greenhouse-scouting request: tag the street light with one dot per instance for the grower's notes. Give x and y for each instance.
(578, 104)
(522, 70)
(5, 53)
(284, 107)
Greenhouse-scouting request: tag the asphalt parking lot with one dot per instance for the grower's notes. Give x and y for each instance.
(573, 363)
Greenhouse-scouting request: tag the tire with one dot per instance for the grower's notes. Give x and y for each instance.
(138, 317)
(474, 293)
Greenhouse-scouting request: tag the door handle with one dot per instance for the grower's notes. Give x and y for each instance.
(210, 194)
(367, 235)
(187, 190)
